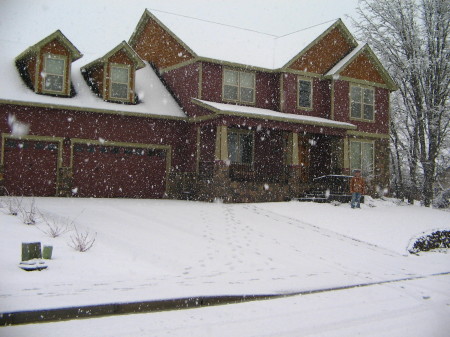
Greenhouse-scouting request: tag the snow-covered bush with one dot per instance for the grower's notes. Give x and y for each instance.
(55, 226)
(28, 213)
(82, 242)
(442, 200)
(13, 205)
(435, 240)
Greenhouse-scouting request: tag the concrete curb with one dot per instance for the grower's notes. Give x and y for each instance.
(101, 310)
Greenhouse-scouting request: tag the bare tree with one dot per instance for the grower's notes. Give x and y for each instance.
(412, 39)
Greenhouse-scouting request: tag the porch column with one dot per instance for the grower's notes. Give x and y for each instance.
(293, 165)
(346, 164)
(293, 158)
(220, 182)
(221, 152)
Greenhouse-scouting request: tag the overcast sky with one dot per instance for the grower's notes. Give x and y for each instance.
(271, 16)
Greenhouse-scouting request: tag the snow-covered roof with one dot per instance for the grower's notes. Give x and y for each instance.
(215, 41)
(154, 97)
(252, 112)
(97, 27)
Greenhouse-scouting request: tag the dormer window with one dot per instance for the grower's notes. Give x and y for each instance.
(45, 66)
(54, 73)
(120, 80)
(113, 76)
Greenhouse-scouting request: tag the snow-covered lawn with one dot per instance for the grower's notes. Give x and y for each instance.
(158, 249)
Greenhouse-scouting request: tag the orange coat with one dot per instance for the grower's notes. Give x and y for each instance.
(357, 185)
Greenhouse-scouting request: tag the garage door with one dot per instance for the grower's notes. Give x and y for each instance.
(117, 171)
(30, 167)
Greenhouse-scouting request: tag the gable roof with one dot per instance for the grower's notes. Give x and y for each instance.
(121, 46)
(226, 44)
(338, 24)
(363, 49)
(74, 52)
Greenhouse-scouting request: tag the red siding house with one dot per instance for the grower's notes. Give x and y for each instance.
(191, 109)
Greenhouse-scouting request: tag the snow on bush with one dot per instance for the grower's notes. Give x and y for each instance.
(54, 226)
(13, 205)
(435, 240)
(28, 213)
(82, 241)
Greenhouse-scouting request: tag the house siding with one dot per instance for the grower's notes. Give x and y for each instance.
(211, 82)
(91, 125)
(183, 83)
(155, 45)
(342, 109)
(322, 56)
(362, 68)
(321, 105)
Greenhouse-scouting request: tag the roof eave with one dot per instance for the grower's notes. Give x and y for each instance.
(287, 119)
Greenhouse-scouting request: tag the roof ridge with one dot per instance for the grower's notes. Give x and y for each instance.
(212, 22)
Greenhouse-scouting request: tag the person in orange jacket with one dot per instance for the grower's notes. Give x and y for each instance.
(357, 188)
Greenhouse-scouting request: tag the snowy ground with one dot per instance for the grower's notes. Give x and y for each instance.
(157, 249)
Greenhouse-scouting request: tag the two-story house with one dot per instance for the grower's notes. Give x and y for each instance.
(242, 116)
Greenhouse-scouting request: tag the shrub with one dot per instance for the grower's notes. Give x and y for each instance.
(82, 242)
(435, 240)
(13, 205)
(28, 213)
(54, 225)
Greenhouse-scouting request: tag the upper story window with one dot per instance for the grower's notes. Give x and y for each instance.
(362, 103)
(120, 81)
(238, 86)
(240, 146)
(305, 93)
(54, 73)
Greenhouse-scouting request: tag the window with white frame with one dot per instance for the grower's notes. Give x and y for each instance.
(362, 103)
(362, 157)
(304, 93)
(238, 86)
(240, 146)
(120, 81)
(54, 73)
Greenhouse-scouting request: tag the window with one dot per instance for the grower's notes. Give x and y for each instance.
(240, 147)
(53, 73)
(238, 86)
(362, 103)
(362, 157)
(305, 93)
(120, 79)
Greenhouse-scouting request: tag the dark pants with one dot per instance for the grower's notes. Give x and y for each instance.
(355, 200)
